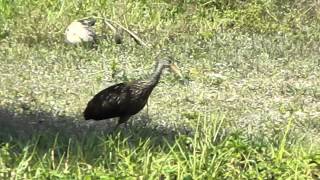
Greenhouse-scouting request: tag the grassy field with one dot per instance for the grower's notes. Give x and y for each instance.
(247, 108)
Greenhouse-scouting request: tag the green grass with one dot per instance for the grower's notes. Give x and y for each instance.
(206, 154)
(248, 107)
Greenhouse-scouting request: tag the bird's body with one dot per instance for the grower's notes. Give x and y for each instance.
(124, 99)
(81, 31)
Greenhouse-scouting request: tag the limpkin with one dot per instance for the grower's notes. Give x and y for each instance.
(125, 99)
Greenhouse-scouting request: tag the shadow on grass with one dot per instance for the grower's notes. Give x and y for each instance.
(23, 128)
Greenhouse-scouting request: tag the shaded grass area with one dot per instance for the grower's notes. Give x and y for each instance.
(75, 151)
(247, 108)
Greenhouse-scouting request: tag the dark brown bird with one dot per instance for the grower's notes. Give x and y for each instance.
(125, 99)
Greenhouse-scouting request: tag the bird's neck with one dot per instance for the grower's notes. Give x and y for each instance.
(155, 77)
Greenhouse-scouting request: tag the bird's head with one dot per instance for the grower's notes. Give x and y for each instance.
(88, 21)
(168, 63)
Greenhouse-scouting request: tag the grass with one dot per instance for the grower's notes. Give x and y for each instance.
(247, 109)
(135, 155)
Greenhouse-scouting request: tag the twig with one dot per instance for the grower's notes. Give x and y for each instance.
(111, 26)
(271, 15)
(134, 36)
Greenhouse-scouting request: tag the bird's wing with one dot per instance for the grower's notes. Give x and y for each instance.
(110, 101)
(77, 32)
(114, 95)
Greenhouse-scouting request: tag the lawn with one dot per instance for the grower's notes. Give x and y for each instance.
(248, 106)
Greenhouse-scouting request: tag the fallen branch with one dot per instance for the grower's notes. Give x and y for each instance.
(133, 35)
(110, 23)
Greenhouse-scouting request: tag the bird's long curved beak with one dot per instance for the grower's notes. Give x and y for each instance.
(176, 70)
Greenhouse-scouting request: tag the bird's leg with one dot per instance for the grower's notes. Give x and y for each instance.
(148, 118)
(122, 119)
(148, 109)
(116, 127)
